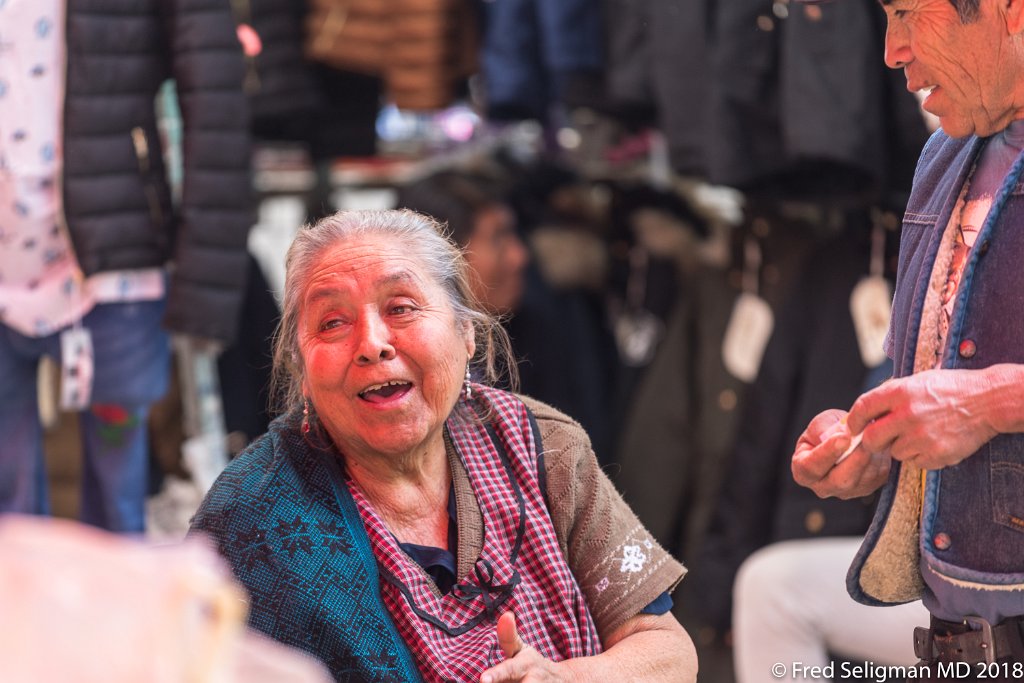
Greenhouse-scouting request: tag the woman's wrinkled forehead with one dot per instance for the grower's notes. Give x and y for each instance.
(376, 262)
(321, 289)
(369, 250)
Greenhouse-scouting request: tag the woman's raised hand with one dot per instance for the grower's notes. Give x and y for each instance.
(522, 662)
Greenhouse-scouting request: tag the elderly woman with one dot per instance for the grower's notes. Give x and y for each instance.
(401, 522)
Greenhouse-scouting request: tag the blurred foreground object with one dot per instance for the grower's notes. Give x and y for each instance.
(84, 605)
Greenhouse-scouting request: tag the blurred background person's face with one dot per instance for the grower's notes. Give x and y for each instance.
(497, 259)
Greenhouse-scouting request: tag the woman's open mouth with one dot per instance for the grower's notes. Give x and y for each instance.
(388, 391)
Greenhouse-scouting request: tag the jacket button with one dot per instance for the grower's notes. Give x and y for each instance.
(968, 348)
(942, 541)
(983, 248)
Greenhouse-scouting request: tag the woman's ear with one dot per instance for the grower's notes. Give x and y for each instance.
(469, 334)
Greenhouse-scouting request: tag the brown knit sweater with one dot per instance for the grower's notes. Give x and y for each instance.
(618, 564)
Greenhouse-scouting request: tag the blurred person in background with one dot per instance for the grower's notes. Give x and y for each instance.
(944, 437)
(402, 520)
(96, 262)
(807, 616)
(480, 221)
(554, 343)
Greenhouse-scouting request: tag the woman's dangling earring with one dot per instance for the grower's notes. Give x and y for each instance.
(305, 416)
(468, 389)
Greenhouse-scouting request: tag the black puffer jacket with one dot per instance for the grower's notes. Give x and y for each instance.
(117, 200)
(281, 84)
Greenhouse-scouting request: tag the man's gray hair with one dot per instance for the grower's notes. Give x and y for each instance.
(424, 239)
(967, 9)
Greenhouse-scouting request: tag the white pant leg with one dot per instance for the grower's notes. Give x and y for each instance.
(790, 605)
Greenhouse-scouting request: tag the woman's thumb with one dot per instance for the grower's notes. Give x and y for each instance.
(508, 636)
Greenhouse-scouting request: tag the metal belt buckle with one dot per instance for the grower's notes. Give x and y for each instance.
(988, 642)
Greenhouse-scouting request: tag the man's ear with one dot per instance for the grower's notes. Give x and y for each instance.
(1014, 13)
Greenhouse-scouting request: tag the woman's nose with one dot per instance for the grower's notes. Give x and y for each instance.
(374, 342)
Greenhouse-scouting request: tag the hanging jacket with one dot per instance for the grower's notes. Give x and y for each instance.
(422, 49)
(658, 56)
(811, 363)
(117, 201)
(534, 49)
(803, 105)
(279, 81)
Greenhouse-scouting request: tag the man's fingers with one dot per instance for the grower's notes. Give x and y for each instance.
(871, 406)
(811, 465)
(823, 426)
(508, 635)
(818, 447)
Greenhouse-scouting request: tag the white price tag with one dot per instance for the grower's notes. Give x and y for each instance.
(637, 334)
(871, 308)
(854, 442)
(746, 336)
(76, 368)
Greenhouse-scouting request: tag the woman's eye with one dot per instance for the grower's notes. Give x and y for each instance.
(329, 324)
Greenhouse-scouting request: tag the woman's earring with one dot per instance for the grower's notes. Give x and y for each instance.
(469, 389)
(305, 416)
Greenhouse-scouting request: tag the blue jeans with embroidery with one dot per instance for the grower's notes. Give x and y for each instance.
(131, 367)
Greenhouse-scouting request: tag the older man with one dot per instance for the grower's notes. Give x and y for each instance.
(946, 436)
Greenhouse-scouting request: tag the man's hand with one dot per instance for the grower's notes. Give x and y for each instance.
(933, 419)
(522, 662)
(814, 459)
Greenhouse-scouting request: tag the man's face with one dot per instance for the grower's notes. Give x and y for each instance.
(970, 69)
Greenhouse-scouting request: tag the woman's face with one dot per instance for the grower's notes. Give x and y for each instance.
(384, 357)
(497, 259)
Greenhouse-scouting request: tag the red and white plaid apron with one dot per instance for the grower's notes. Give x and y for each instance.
(521, 567)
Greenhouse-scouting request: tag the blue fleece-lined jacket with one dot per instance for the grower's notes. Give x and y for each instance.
(976, 507)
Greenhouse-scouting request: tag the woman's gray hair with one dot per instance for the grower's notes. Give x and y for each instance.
(425, 240)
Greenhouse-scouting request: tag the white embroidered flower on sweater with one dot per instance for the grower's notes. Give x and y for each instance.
(633, 559)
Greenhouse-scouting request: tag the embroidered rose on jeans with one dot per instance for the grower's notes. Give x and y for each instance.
(633, 559)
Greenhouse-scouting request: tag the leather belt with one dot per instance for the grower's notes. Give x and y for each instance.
(973, 641)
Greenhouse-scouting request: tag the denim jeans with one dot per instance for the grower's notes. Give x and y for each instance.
(131, 367)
